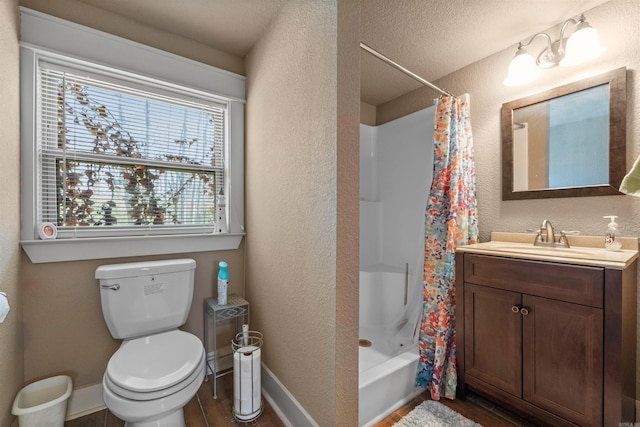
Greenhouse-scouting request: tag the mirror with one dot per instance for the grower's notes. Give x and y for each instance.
(566, 142)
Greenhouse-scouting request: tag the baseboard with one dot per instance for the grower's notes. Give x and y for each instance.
(637, 411)
(87, 400)
(84, 401)
(283, 403)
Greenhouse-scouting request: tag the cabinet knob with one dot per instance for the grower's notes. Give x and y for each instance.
(524, 311)
(515, 309)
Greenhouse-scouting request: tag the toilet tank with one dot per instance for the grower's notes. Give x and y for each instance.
(143, 298)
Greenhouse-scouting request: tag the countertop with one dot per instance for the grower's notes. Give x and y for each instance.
(583, 250)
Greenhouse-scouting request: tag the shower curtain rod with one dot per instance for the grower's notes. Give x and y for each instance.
(404, 70)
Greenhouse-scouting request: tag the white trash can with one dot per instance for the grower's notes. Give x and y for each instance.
(43, 403)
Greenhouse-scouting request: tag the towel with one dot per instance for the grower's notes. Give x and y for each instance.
(631, 182)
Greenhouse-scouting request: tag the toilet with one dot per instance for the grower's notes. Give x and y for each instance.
(158, 368)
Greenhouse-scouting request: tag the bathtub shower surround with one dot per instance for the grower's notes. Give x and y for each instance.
(387, 368)
(395, 163)
(450, 221)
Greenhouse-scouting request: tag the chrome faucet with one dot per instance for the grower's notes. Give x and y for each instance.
(547, 237)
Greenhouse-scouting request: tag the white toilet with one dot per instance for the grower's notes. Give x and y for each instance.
(158, 368)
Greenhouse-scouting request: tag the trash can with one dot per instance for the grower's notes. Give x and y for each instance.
(43, 403)
(247, 390)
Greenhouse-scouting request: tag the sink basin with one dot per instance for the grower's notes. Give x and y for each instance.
(546, 250)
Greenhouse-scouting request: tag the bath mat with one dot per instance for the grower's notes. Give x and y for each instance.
(434, 414)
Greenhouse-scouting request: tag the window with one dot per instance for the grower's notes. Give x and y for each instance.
(128, 150)
(120, 159)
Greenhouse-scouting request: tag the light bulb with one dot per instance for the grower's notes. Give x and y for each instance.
(522, 69)
(583, 45)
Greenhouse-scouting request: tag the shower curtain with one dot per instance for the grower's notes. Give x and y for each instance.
(450, 221)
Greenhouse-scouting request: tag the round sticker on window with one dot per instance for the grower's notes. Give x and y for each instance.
(47, 230)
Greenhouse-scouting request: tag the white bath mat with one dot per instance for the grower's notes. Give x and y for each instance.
(434, 414)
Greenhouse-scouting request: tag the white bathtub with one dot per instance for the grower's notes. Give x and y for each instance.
(387, 368)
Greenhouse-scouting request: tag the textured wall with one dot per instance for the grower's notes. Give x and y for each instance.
(11, 349)
(616, 21)
(348, 230)
(295, 280)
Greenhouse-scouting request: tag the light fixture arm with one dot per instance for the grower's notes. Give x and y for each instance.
(562, 41)
(550, 56)
(545, 35)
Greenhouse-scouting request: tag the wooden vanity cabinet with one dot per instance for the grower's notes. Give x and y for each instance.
(554, 342)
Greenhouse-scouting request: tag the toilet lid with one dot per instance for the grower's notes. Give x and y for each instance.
(155, 362)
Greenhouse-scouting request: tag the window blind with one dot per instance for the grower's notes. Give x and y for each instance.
(119, 157)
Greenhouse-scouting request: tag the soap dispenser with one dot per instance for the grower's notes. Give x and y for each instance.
(611, 238)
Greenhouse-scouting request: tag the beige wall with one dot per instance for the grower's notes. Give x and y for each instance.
(11, 349)
(348, 213)
(367, 114)
(617, 23)
(294, 158)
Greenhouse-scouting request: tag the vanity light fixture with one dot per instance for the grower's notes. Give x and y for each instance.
(583, 45)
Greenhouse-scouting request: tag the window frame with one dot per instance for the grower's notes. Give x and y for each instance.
(51, 39)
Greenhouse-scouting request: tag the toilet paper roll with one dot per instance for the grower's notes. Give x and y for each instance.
(4, 306)
(246, 382)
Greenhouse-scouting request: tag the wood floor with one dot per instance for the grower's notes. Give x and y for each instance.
(204, 411)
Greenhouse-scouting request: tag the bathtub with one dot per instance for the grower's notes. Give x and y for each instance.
(387, 367)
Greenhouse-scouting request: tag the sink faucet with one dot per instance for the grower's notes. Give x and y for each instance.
(547, 228)
(547, 237)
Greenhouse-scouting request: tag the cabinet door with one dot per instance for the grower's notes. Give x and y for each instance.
(493, 338)
(563, 359)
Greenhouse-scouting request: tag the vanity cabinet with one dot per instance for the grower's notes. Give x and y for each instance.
(554, 342)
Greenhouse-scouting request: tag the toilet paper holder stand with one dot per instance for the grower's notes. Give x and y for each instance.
(247, 387)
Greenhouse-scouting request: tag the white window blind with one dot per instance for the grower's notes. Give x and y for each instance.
(118, 156)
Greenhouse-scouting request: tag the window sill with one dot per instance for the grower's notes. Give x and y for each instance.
(41, 251)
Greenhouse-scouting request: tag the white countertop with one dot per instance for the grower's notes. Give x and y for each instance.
(583, 250)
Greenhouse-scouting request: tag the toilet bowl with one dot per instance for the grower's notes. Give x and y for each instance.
(158, 368)
(148, 380)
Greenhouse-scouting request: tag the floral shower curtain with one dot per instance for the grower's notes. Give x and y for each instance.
(450, 221)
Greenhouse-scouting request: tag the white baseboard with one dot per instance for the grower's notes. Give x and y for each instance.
(283, 403)
(84, 401)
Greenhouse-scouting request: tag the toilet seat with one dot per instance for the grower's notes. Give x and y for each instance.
(158, 394)
(155, 366)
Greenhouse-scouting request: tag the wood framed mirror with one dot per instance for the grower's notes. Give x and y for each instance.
(569, 141)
